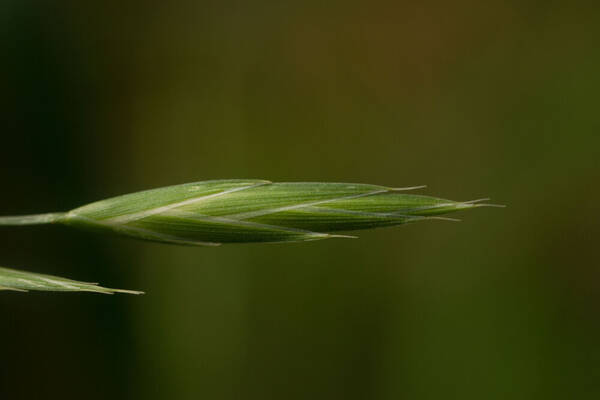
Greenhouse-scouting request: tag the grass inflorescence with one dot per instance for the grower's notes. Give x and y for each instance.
(237, 211)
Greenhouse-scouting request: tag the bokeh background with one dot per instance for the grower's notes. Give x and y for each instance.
(474, 99)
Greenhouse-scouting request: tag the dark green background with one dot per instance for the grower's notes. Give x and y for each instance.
(474, 99)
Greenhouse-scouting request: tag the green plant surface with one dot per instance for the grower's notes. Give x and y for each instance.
(23, 281)
(234, 211)
(241, 211)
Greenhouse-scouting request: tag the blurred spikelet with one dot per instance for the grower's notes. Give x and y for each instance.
(22, 281)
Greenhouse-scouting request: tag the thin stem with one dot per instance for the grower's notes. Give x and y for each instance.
(36, 219)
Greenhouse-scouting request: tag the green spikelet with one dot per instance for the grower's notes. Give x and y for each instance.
(22, 281)
(238, 211)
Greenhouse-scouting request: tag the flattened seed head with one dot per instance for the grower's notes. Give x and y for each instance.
(235, 211)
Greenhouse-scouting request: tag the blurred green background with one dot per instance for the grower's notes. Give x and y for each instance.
(474, 99)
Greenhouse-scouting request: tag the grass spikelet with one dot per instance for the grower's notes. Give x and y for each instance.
(240, 211)
(22, 281)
